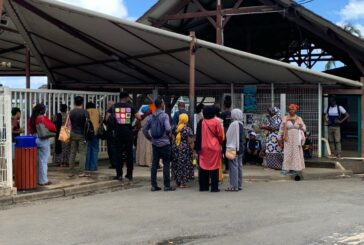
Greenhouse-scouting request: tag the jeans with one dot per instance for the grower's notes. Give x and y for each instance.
(120, 146)
(163, 153)
(78, 144)
(335, 140)
(236, 172)
(43, 154)
(92, 156)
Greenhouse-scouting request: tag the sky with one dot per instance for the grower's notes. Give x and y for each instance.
(339, 12)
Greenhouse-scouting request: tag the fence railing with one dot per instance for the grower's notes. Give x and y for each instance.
(26, 99)
(6, 172)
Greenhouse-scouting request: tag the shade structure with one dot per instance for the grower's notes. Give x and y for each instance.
(78, 48)
(13, 50)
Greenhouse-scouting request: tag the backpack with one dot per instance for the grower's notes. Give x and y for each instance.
(338, 110)
(89, 131)
(157, 128)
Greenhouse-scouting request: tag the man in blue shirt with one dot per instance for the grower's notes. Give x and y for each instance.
(181, 110)
(158, 130)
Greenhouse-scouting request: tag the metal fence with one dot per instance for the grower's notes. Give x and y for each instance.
(26, 99)
(6, 178)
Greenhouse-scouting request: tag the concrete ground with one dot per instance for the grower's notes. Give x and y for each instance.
(275, 212)
(60, 176)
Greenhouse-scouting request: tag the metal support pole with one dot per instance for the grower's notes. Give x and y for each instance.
(192, 73)
(155, 93)
(283, 104)
(362, 119)
(219, 28)
(272, 93)
(232, 95)
(1, 7)
(319, 135)
(27, 68)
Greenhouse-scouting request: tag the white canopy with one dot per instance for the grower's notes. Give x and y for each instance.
(78, 48)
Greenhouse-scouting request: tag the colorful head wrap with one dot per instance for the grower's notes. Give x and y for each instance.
(293, 107)
(183, 121)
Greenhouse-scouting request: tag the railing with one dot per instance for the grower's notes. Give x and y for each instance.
(26, 99)
(6, 172)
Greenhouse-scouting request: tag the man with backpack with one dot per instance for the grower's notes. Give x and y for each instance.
(158, 130)
(119, 124)
(335, 115)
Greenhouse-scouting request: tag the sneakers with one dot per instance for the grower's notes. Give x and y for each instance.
(120, 178)
(155, 188)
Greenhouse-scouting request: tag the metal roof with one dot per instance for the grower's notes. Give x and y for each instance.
(270, 35)
(13, 50)
(78, 48)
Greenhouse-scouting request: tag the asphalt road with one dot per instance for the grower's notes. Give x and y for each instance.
(306, 212)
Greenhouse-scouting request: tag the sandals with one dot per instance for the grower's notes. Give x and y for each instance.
(232, 189)
(84, 175)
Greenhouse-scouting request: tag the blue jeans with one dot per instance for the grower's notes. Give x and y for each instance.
(163, 153)
(236, 172)
(92, 155)
(43, 154)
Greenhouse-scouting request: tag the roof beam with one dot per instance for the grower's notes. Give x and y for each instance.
(227, 19)
(176, 9)
(4, 51)
(225, 12)
(203, 10)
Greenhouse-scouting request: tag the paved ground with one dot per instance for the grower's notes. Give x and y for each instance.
(278, 212)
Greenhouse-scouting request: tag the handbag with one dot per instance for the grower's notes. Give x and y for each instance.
(65, 133)
(230, 154)
(43, 132)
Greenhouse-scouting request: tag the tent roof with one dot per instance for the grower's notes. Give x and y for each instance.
(13, 50)
(78, 48)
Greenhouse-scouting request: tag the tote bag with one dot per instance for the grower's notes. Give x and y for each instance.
(65, 133)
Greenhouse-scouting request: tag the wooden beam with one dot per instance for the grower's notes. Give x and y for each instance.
(192, 83)
(227, 19)
(1, 7)
(343, 91)
(224, 12)
(203, 10)
(175, 10)
(219, 24)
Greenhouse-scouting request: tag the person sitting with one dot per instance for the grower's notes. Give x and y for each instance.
(307, 147)
(253, 149)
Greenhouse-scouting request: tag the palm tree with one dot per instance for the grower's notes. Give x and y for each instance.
(350, 28)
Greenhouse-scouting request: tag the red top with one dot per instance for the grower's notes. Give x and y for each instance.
(48, 123)
(212, 136)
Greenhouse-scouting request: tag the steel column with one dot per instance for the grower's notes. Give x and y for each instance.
(27, 67)
(192, 73)
(232, 95)
(362, 120)
(272, 94)
(319, 135)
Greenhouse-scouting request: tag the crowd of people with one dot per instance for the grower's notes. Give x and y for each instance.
(212, 140)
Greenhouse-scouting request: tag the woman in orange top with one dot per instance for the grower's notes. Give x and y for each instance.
(209, 138)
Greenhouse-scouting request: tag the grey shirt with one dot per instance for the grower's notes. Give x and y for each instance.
(78, 120)
(164, 119)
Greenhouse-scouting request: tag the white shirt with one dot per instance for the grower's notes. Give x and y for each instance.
(333, 111)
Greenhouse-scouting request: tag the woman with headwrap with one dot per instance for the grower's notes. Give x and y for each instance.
(292, 136)
(210, 135)
(235, 141)
(274, 156)
(182, 153)
(144, 151)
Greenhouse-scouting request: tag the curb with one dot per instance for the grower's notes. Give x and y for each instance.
(65, 192)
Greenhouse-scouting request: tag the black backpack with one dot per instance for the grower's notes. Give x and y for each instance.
(89, 131)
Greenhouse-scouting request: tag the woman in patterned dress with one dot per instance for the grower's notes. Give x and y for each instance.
(292, 135)
(182, 161)
(274, 156)
(62, 150)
